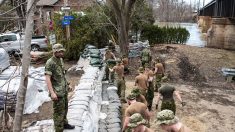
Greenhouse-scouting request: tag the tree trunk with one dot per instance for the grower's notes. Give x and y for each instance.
(123, 36)
(122, 10)
(31, 6)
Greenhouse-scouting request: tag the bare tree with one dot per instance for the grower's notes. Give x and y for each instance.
(31, 7)
(173, 10)
(122, 10)
(2, 2)
(20, 10)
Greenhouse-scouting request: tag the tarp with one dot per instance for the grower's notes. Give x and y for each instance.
(37, 92)
(136, 48)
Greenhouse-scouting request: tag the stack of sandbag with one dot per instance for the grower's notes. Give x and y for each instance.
(8, 99)
(111, 62)
(95, 58)
(86, 51)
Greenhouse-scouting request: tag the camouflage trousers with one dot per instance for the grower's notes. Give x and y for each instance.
(106, 73)
(170, 105)
(111, 77)
(60, 107)
(143, 91)
(150, 95)
(158, 80)
(120, 84)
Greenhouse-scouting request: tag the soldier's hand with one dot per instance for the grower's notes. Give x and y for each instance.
(54, 96)
(183, 103)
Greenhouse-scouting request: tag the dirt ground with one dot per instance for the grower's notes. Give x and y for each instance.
(196, 73)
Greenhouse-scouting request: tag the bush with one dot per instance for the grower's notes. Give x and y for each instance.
(157, 35)
(83, 30)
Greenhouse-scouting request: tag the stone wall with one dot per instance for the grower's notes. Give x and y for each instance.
(221, 34)
(204, 22)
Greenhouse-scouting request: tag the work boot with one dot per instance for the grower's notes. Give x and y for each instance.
(68, 126)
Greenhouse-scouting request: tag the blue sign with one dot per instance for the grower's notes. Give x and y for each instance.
(68, 17)
(65, 22)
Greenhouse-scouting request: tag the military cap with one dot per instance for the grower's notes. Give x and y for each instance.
(166, 117)
(136, 92)
(135, 120)
(131, 97)
(141, 70)
(57, 48)
(146, 65)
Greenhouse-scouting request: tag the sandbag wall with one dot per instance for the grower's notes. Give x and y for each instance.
(110, 109)
(83, 107)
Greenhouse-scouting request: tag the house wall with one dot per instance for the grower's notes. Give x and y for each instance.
(42, 22)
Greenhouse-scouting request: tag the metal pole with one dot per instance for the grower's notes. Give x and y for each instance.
(67, 26)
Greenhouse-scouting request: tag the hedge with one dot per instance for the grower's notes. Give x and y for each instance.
(157, 35)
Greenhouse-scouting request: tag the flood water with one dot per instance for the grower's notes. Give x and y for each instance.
(196, 37)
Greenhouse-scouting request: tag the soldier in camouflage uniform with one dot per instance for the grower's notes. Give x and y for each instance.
(146, 56)
(119, 79)
(139, 96)
(135, 107)
(150, 92)
(141, 81)
(170, 123)
(109, 59)
(167, 92)
(58, 88)
(137, 124)
(159, 73)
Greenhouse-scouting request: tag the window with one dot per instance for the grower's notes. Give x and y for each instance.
(11, 37)
(6, 38)
(48, 15)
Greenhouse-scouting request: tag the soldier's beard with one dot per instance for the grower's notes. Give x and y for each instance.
(57, 55)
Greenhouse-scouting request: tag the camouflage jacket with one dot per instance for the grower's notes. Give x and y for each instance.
(146, 55)
(55, 68)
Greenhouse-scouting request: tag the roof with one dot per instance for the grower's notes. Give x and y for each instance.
(209, 4)
(46, 2)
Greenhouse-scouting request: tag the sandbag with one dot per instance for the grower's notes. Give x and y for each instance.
(94, 51)
(95, 61)
(94, 55)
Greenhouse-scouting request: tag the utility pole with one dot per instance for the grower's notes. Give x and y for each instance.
(67, 26)
(31, 7)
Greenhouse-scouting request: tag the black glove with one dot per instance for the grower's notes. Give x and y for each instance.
(183, 103)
